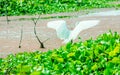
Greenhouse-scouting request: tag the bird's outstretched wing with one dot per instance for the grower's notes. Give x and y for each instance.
(55, 24)
(81, 26)
(61, 29)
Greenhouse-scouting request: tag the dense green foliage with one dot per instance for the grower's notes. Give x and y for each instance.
(21, 7)
(95, 57)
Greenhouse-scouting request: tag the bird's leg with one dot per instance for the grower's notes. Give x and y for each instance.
(71, 41)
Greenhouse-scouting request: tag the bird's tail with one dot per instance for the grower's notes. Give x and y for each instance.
(81, 26)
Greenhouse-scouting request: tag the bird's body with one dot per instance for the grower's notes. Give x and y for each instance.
(60, 26)
(65, 34)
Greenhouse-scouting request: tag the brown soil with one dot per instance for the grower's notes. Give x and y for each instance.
(10, 33)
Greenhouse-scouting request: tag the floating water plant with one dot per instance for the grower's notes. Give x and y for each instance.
(98, 57)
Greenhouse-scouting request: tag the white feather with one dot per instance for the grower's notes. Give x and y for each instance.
(80, 27)
(60, 27)
(65, 34)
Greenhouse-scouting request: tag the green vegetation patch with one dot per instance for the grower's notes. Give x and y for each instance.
(95, 57)
(22, 7)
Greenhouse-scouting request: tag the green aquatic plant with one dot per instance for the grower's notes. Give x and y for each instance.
(23, 7)
(98, 57)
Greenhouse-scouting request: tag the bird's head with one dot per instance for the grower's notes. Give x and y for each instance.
(56, 24)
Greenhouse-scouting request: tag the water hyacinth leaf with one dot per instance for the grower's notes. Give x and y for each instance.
(116, 60)
(23, 7)
(94, 67)
(115, 51)
(82, 58)
(36, 73)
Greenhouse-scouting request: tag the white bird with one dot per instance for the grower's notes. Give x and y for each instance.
(67, 35)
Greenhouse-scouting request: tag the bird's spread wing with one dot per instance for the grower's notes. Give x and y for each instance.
(55, 24)
(81, 26)
(60, 27)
